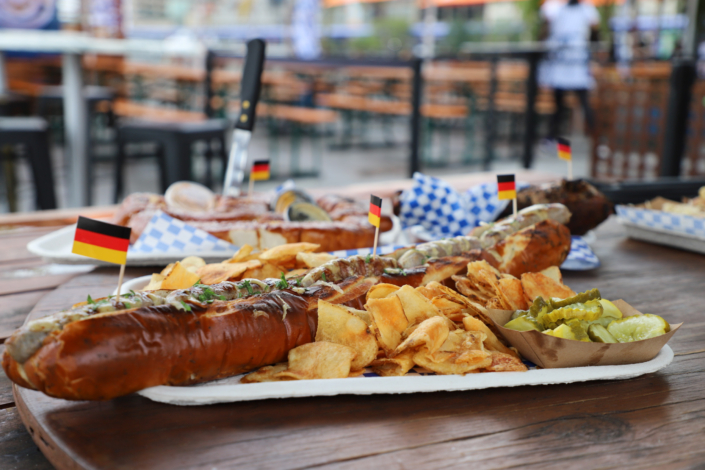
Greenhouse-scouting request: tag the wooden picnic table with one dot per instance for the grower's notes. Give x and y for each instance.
(651, 421)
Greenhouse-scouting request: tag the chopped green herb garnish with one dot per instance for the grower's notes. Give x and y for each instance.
(220, 297)
(132, 293)
(283, 283)
(186, 306)
(127, 304)
(298, 281)
(90, 301)
(248, 286)
(323, 276)
(368, 258)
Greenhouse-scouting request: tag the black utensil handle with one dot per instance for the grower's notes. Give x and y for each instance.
(251, 84)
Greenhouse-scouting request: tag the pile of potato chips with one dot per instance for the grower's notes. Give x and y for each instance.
(293, 259)
(432, 328)
(486, 286)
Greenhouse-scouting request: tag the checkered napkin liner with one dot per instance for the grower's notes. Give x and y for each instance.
(165, 234)
(443, 211)
(684, 224)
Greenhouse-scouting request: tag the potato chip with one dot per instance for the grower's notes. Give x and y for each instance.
(283, 253)
(389, 320)
(165, 272)
(417, 308)
(514, 293)
(155, 283)
(448, 308)
(262, 272)
(356, 373)
(496, 304)
(431, 333)
(426, 292)
(493, 279)
(219, 272)
(491, 341)
(179, 278)
(462, 352)
(476, 266)
(380, 291)
(505, 363)
(540, 285)
(266, 374)
(320, 360)
(466, 287)
(337, 325)
(554, 273)
(396, 366)
(241, 254)
(192, 263)
(296, 273)
(313, 260)
(363, 315)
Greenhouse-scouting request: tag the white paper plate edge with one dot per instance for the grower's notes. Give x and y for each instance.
(204, 395)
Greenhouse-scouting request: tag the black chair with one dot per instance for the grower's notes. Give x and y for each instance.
(33, 134)
(174, 142)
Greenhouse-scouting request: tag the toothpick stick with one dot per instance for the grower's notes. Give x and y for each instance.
(251, 187)
(570, 169)
(374, 250)
(514, 206)
(122, 274)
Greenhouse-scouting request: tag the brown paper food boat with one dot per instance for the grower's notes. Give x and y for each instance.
(550, 352)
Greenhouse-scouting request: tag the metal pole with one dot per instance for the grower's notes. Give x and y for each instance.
(681, 83)
(3, 75)
(75, 125)
(416, 89)
(490, 127)
(530, 116)
(674, 140)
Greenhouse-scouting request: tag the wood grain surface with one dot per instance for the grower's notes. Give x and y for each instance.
(650, 421)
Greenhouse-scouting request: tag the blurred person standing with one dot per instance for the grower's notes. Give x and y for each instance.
(570, 30)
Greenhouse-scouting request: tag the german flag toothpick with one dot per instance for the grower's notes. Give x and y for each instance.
(260, 172)
(102, 241)
(507, 189)
(375, 217)
(565, 153)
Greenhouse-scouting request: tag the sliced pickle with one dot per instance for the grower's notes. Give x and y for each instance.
(638, 327)
(523, 323)
(539, 307)
(589, 311)
(603, 321)
(519, 313)
(599, 334)
(583, 297)
(573, 329)
(610, 310)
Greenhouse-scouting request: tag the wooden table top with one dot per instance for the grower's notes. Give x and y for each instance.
(651, 421)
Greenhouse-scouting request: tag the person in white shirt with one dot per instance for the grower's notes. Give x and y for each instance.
(571, 28)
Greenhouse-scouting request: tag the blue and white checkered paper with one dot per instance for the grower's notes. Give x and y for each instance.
(443, 211)
(165, 234)
(684, 224)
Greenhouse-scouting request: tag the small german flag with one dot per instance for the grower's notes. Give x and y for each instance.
(564, 151)
(375, 210)
(260, 170)
(100, 240)
(506, 187)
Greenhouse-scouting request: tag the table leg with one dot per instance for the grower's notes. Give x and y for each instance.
(3, 76)
(75, 127)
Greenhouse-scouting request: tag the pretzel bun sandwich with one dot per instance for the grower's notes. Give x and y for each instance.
(111, 347)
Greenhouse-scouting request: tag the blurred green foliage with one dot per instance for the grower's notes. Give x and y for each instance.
(532, 20)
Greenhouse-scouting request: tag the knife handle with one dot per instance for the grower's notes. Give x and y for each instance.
(251, 84)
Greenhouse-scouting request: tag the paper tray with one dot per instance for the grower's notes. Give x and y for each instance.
(230, 390)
